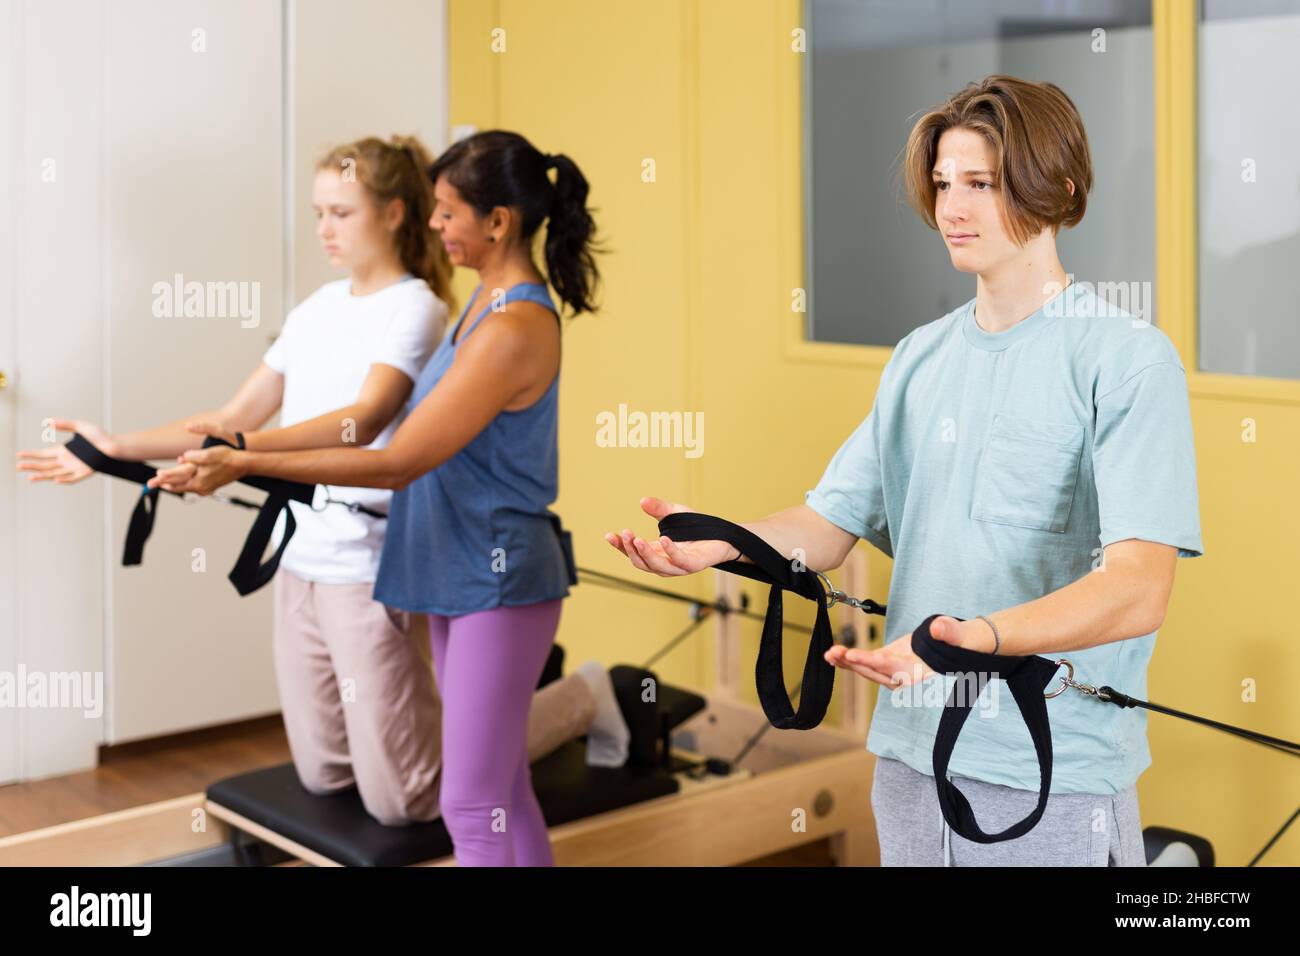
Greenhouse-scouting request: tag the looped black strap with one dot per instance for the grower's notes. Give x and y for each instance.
(140, 525)
(250, 572)
(1028, 678)
(770, 567)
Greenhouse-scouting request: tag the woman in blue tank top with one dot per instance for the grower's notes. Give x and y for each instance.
(471, 540)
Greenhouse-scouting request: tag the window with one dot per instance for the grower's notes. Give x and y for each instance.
(874, 271)
(1248, 186)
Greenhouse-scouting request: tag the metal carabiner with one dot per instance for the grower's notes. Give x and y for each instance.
(865, 605)
(1069, 681)
(836, 595)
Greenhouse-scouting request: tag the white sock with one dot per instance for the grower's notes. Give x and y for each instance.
(608, 738)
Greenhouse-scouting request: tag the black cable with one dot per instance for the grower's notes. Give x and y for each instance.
(1110, 695)
(1277, 836)
(232, 500)
(699, 609)
(721, 606)
(753, 741)
(704, 611)
(621, 584)
(704, 614)
(353, 506)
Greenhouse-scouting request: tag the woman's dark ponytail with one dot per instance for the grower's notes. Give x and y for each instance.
(570, 265)
(501, 168)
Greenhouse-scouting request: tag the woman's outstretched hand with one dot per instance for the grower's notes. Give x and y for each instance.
(665, 557)
(56, 463)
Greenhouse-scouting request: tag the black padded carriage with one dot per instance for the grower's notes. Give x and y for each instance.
(338, 827)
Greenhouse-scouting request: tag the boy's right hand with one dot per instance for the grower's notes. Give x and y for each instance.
(665, 557)
(55, 463)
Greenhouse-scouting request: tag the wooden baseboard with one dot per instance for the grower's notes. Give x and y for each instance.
(144, 834)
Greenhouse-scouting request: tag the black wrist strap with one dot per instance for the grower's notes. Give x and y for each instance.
(1028, 678)
(770, 567)
(140, 524)
(249, 572)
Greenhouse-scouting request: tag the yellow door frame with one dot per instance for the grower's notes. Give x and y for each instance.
(1176, 34)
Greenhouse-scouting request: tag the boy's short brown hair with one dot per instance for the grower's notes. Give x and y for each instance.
(1038, 142)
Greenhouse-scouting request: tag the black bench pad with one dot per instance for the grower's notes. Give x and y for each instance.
(338, 827)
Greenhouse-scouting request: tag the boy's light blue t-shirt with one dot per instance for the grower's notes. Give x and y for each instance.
(994, 468)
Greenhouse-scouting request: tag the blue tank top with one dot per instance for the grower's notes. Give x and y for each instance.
(476, 533)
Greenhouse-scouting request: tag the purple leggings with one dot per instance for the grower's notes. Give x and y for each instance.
(488, 664)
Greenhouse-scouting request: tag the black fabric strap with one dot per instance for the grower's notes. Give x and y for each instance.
(770, 567)
(140, 525)
(250, 572)
(1028, 678)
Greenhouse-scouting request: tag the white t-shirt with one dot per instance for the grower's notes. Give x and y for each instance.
(324, 352)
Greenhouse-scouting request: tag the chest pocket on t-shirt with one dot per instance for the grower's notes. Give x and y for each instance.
(1028, 472)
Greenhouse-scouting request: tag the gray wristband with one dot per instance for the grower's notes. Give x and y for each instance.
(997, 639)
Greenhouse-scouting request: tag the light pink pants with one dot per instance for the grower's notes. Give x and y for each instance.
(361, 706)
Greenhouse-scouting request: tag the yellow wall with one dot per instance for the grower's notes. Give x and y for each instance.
(697, 317)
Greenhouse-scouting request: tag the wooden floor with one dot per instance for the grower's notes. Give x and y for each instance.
(148, 771)
(132, 774)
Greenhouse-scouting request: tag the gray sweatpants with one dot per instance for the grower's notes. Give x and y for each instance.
(1076, 829)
